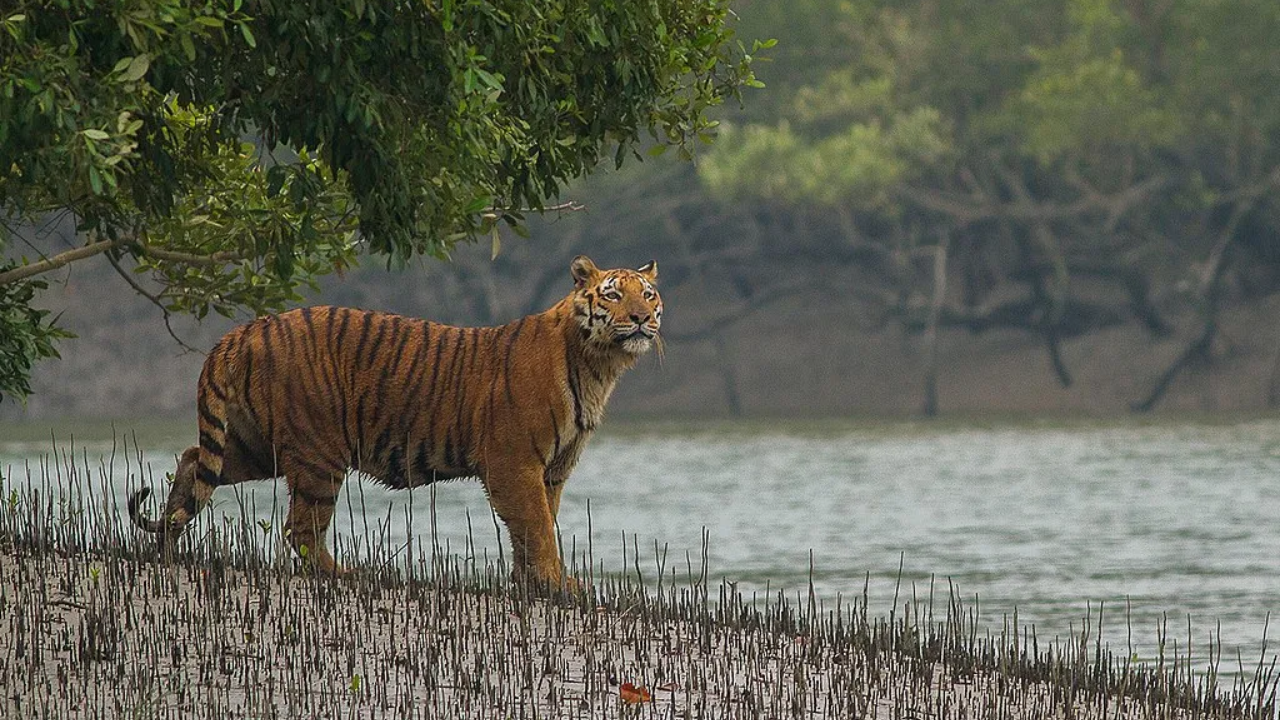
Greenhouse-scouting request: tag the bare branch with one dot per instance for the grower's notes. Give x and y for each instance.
(963, 209)
(493, 213)
(154, 300)
(100, 246)
(967, 209)
(569, 206)
(931, 329)
(60, 260)
(775, 293)
(1211, 290)
(1252, 191)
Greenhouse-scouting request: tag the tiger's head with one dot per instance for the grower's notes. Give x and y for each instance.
(619, 309)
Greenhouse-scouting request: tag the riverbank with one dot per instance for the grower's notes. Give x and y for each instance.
(95, 627)
(802, 351)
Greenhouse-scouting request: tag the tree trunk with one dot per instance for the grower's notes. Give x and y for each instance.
(1273, 385)
(1211, 289)
(931, 331)
(728, 376)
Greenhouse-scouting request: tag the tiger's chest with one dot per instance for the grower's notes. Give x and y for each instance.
(595, 397)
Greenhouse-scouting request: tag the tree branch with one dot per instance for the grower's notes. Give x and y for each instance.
(154, 300)
(217, 258)
(493, 213)
(1211, 288)
(771, 295)
(931, 330)
(98, 247)
(60, 260)
(967, 209)
(1049, 290)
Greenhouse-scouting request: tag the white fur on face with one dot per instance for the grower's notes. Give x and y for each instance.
(637, 345)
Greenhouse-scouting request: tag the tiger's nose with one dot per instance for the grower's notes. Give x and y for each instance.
(639, 319)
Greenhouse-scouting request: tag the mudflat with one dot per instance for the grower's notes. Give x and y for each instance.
(108, 633)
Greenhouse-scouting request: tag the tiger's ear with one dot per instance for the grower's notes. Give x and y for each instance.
(584, 271)
(649, 270)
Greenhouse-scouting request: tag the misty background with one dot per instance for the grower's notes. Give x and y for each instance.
(1046, 207)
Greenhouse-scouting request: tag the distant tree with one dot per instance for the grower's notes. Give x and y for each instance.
(1019, 148)
(234, 150)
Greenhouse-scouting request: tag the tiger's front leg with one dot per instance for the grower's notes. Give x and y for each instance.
(553, 492)
(520, 499)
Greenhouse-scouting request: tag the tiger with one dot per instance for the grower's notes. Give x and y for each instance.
(313, 393)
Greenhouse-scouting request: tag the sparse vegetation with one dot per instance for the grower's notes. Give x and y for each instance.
(96, 626)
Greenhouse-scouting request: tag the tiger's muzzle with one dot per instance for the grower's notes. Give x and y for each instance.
(635, 341)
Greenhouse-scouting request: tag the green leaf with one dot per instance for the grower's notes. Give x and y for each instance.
(248, 35)
(276, 175)
(489, 79)
(138, 66)
(95, 134)
(480, 203)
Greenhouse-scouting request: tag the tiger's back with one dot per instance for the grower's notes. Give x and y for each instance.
(380, 393)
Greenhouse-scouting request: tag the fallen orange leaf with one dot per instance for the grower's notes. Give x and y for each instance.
(634, 694)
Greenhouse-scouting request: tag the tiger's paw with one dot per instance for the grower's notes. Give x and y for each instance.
(560, 585)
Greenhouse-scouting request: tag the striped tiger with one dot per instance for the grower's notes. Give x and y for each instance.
(313, 393)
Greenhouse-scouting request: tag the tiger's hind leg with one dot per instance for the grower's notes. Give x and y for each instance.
(199, 472)
(244, 457)
(313, 495)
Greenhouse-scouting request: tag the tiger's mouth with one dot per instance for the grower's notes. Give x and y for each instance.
(635, 342)
(637, 334)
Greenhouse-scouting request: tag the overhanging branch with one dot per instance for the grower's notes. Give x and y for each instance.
(154, 301)
(98, 247)
(60, 260)
(217, 258)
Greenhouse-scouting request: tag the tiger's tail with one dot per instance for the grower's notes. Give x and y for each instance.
(183, 479)
(155, 527)
(200, 469)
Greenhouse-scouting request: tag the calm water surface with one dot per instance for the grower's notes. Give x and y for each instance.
(1157, 522)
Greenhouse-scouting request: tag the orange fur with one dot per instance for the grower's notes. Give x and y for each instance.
(312, 393)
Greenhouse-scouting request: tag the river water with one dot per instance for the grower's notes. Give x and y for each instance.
(1158, 524)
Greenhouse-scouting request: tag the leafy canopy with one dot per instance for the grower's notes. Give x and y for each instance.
(992, 154)
(931, 95)
(234, 150)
